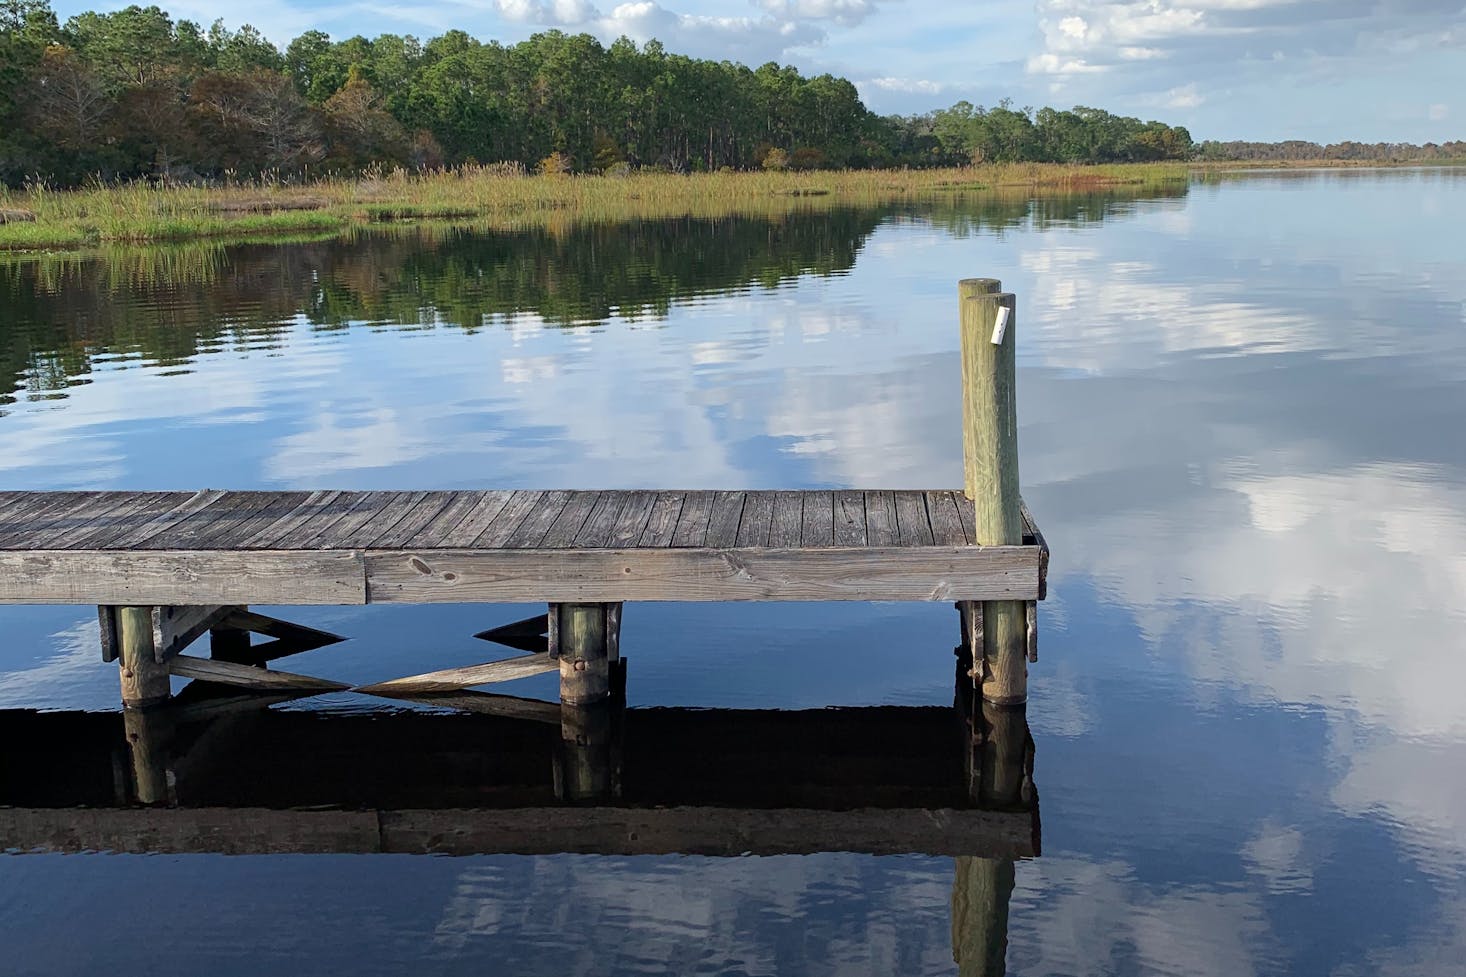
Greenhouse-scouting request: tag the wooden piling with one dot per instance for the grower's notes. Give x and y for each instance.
(144, 680)
(990, 464)
(582, 641)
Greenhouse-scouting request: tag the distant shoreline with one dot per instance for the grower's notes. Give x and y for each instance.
(141, 213)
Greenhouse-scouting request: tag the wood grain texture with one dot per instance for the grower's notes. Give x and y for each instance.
(880, 519)
(454, 679)
(662, 522)
(692, 524)
(571, 520)
(164, 577)
(819, 520)
(788, 520)
(758, 517)
(850, 518)
(581, 576)
(913, 526)
(946, 521)
(248, 676)
(723, 524)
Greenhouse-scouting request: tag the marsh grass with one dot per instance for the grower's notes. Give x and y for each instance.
(491, 196)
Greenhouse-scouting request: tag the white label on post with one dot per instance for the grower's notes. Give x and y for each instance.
(1001, 329)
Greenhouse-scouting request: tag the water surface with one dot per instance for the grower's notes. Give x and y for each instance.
(1241, 432)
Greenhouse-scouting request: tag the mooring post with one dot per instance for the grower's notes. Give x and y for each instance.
(144, 680)
(990, 464)
(585, 771)
(583, 638)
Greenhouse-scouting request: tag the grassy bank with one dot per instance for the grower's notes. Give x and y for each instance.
(141, 212)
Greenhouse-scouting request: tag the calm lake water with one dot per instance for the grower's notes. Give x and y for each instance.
(1241, 409)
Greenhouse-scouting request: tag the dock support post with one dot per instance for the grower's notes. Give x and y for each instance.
(144, 679)
(981, 893)
(585, 638)
(990, 464)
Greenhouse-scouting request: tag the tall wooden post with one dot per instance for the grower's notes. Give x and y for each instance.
(144, 680)
(990, 464)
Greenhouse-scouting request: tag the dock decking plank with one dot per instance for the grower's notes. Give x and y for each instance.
(601, 523)
(465, 516)
(227, 531)
(363, 506)
(316, 507)
(141, 532)
(880, 519)
(726, 515)
(819, 520)
(537, 523)
(945, 521)
(571, 520)
(692, 524)
(758, 517)
(913, 526)
(662, 523)
(36, 528)
(788, 521)
(632, 520)
(498, 529)
(420, 515)
(850, 518)
(22, 521)
(967, 512)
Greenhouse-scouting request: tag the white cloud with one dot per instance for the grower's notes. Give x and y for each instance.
(908, 85)
(559, 12)
(1438, 112)
(845, 12)
(1185, 97)
(1052, 64)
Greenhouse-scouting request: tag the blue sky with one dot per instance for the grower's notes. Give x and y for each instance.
(1243, 69)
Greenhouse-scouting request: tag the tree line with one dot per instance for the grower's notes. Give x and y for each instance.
(134, 93)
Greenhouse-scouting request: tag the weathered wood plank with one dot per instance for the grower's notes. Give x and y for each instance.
(601, 523)
(723, 523)
(139, 505)
(788, 521)
(169, 577)
(880, 519)
(967, 512)
(1031, 527)
(46, 531)
(248, 676)
(631, 521)
(422, 514)
(146, 529)
(913, 526)
(572, 518)
(277, 506)
(582, 576)
(758, 517)
(384, 521)
(362, 508)
(177, 627)
(241, 512)
(692, 524)
(819, 520)
(454, 679)
(529, 533)
(945, 520)
(662, 523)
(319, 509)
(850, 519)
(456, 507)
(496, 532)
(454, 528)
(21, 525)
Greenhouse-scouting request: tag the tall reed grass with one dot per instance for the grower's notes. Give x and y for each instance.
(501, 195)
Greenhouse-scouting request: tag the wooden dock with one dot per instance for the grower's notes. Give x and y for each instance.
(166, 568)
(217, 547)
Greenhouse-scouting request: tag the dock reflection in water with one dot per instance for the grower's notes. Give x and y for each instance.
(233, 775)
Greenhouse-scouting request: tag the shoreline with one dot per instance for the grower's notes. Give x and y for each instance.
(141, 213)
